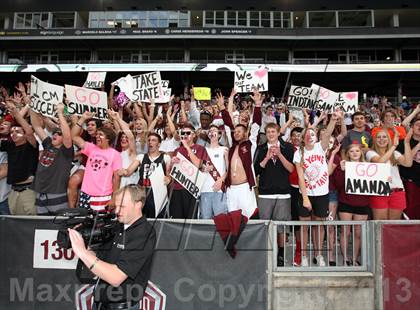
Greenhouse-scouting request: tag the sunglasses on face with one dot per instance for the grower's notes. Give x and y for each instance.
(185, 133)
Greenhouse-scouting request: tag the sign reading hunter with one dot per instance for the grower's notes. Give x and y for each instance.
(95, 80)
(45, 97)
(188, 175)
(367, 178)
(146, 86)
(85, 99)
(348, 102)
(246, 81)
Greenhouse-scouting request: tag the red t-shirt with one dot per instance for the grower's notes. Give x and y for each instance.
(198, 150)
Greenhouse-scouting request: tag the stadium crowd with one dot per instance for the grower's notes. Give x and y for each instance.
(253, 153)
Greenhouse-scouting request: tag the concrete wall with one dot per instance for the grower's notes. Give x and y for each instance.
(322, 290)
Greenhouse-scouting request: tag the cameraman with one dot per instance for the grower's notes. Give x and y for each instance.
(124, 270)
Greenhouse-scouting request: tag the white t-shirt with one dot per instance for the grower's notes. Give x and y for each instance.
(315, 170)
(217, 156)
(396, 181)
(126, 162)
(169, 145)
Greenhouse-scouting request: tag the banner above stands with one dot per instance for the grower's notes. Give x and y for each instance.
(212, 67)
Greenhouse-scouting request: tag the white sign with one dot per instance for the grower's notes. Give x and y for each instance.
(160, 191)
(47, 253)
(363, 178)
(145, 86)
(325, 98)
(95, 80)
(301, 97)
(188, 175)
(85, 99)
(348, 102)
(165, 93)
(246, 81)
(45, 97)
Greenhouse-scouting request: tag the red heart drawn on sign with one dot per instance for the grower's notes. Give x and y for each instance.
(350, 96)
(260, 73)
(324, 93)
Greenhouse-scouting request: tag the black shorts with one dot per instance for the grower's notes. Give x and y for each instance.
(319, 207)
(296, 201)
(343, 207)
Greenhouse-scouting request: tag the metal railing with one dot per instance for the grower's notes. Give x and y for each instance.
(336, 241)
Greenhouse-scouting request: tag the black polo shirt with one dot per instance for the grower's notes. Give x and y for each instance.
(132, 251)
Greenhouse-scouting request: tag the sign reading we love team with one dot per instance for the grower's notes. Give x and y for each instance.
(246, 81)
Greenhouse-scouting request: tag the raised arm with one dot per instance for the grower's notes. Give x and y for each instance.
(77, 129)
(406, 122)
(325, 138)
(22, 122)
(171, 125)
(126, 130)
(36, 121)
(406, 159)
(64, 126)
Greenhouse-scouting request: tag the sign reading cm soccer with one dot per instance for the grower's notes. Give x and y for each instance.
(188, 175)
(45, 97)
(367, 178)
(84, 99)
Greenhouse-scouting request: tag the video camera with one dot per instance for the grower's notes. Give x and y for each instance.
(96, 228)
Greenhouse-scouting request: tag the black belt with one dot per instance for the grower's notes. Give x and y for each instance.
(115, 305)
(21, 187)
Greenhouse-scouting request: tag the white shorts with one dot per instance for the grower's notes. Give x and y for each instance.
(240, 197)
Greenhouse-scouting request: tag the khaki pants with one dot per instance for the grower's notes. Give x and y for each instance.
(22, 203)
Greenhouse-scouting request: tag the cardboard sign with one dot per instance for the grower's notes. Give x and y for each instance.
(364, 178)
(301, 97)
(246, 81)
(165, 93)
(45, 97)
(160, 191)
(95, 80)
(202, 93)
(85, 99)
(145, 86)
(325, 98)
(348, 102)
(188, 175)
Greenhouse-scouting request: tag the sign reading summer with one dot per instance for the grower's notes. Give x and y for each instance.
(146, 86)
(363, 178)
(348, 102)
(246, 81)
(188, 175)
(85, 99)
(95, 80)
(202, 93)
(45, 97)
